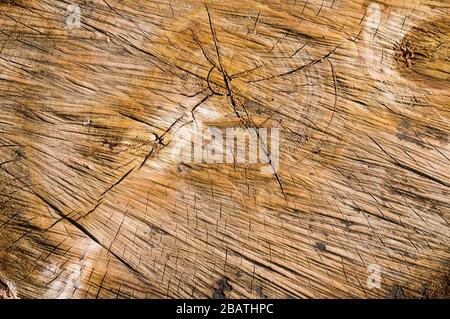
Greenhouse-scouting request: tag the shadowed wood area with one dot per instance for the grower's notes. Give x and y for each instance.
(93, 204)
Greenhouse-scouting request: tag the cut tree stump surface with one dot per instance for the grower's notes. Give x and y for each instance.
(92, 204)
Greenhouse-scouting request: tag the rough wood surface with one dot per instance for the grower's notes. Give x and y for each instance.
(92, 204)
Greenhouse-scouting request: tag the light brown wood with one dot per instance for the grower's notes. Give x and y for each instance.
(93, 205)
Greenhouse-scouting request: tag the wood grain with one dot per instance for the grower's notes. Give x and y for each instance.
(93, 206)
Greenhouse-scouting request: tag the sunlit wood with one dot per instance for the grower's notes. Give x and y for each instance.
(93, 205)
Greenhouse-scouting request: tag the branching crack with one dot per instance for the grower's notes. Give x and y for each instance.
(304, 66)
(85, 231)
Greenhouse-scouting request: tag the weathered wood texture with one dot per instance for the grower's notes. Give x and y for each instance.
(92, 204)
